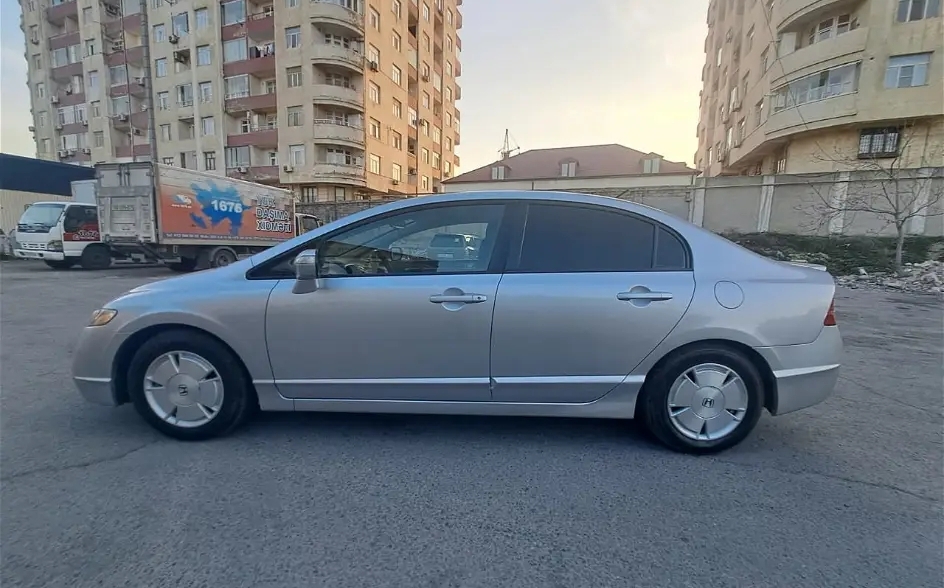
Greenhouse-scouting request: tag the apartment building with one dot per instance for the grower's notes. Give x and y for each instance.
(336, 99)
(797, 86)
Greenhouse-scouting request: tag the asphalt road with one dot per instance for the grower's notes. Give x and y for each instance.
(848, 493)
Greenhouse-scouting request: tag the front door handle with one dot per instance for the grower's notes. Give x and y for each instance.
(644, 295)
(458, 298)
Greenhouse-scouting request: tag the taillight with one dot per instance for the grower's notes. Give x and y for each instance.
(830, 320)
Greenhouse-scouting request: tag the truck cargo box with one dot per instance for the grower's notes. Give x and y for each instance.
(191, 207)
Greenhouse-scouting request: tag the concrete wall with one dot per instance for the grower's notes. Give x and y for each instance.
(811, 204)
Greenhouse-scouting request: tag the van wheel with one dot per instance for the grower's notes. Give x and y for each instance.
(96, 257)
(222, 257)
(60, 264)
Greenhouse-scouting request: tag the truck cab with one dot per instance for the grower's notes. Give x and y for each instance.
(61, 234)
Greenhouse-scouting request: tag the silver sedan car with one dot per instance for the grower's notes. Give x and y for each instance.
(572, 306)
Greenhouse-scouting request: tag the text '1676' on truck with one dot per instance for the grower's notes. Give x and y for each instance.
(185, 218)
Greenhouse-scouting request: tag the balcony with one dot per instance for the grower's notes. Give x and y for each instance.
(261, 174)
(332, 55)
(64, 40)
(240, 103)
(262, 66)
(337, 96)
(136, 88)
(114, 27)
(261, 26)
(136, 120)
(336, 173)
(69, 98)
(820, 114)
(74, 155)
(141, 150)
(256, 136)
(818, 56)
(332, 13)
(58, 13)
(332, 132)
(133, 55)
(73, 128)
(65, 72)
(789, 12)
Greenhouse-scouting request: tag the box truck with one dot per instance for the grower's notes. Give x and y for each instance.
(191, 219)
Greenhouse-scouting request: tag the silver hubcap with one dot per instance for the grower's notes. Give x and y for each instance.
(183, 389)
(707, 402)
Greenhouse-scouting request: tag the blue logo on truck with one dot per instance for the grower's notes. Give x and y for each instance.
(219, 204)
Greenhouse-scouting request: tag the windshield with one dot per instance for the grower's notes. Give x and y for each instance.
(443, 240)
(40, 217)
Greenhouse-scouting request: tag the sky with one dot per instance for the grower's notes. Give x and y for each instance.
(554, 73)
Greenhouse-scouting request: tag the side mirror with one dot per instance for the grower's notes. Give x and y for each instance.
(306, 265)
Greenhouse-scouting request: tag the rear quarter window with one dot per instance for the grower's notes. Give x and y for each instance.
(671, 253)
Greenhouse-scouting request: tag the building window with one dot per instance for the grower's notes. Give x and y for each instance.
(202, 18)
(293, 37)
(209, 160)
(396, 75)
(437, 135)
(397, 8)
(498, 172)
(425, 126)
(294, 75)
(831, 27)
(98, 139)
(397, 41)
(375, 128)
(396, 139)
(819, 86)
(780, 165)
(412, 116)
(291, 3)
(568, 169)
(449, 68)
(179, 23)
(204, 56)
(448, 144)
(273, 158)
(436, 160)
(759, 113)
(185, 95)
(396, 172)
(235, 50)
(373, 92)
(907, 71)
(397, 108)
(158, 33)
(168, 161)
(233, 12)
(373, 54)
(295, 116)
(909, 10)
(96, 108)
(374, 19)
(374, 164)
(426, 12)
(165, 133)
(207, 126)
(749, 40)
(163, 101)
(160, 70)
(237, 157)
(425, 183)
(879, 142)
(448, 92)
(296, 154)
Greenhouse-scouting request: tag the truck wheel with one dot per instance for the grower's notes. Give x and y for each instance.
(186, 264)
(95, 257)
(60, 264)
(222, 257)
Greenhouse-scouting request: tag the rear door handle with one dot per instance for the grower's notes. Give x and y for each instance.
(463, 298)
(646, 296)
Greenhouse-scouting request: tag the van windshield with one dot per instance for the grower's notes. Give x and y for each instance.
(445, 240)
(40, 218)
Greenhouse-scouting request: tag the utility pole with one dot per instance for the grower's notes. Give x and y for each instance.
(148, 89)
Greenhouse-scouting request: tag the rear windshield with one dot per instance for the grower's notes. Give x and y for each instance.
(447, 241)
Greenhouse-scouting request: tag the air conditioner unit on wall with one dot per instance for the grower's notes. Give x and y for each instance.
(242, 169)
(287, 168)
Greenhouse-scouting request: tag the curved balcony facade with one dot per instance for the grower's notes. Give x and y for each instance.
(789, 12)
(819, 56)
(333, 13)
(337, 96)
(334, 173)
(339, 57)
(330, 132)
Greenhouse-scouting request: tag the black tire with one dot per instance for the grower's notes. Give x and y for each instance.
(239, 399)
(654, 401)
(222, 257)
(95, 257)
(59, 264)
(186, 264)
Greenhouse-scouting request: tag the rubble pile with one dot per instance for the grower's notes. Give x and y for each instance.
(922, 278)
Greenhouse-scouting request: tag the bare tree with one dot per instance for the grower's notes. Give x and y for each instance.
(882, 184)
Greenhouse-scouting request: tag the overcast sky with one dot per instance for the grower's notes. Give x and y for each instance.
(554, 72)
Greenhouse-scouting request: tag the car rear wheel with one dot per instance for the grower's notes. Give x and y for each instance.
(189, 386)
(703, 400)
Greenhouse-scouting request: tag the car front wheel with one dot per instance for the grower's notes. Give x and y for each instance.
(703, 400)
(189, 386)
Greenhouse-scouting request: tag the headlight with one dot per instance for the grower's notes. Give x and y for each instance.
(55, 245)
(102, 317)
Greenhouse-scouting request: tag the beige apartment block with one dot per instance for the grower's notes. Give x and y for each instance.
(336, 99)
(798, 86)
